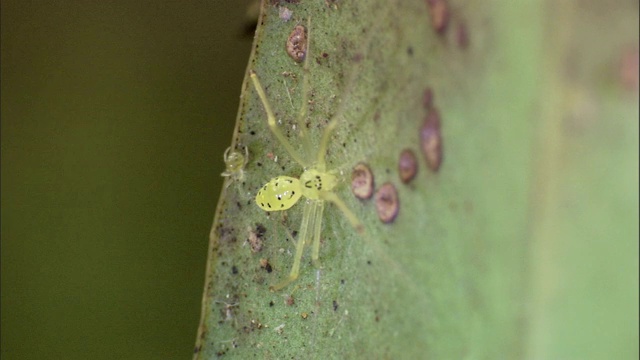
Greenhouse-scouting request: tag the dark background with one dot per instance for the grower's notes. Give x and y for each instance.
(115, 116)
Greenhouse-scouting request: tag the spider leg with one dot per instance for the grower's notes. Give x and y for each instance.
(333, 123)
(305, 95)
(308, 217)
(271, 120)
(353, 219)
(315, 254)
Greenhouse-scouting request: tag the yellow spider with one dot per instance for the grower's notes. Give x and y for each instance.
(316, 183)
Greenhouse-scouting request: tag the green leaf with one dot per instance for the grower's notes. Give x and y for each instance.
(522, 244)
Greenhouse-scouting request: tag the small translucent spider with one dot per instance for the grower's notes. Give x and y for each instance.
(316, 183)
(234, 162)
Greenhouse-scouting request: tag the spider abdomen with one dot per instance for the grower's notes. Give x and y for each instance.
(280, 193)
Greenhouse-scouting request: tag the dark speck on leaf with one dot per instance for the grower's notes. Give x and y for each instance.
(260, 230)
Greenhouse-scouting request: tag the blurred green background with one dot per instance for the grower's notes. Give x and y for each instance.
(115, 116)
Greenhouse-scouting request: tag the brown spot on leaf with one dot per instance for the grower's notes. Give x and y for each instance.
(284, 13)
(387, 202)
(439, 12)
(407, 165)
(255, 237)
(362, 181)
(297, 43)
(462, 35)
(289, 300)
(431, 140)
(427, 98)
(255, 242)
(264, 263)
(629, 69)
